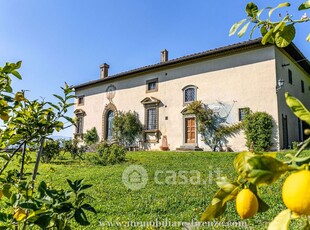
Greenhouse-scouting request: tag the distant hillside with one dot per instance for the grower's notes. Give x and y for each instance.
(60, 137)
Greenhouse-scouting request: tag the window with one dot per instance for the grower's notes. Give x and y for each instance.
(79, 125)
(189, 94)
(152, 85)
(151, 119)
(243, 112)
(80, 100)
(302, 84)
(109, 125)
(290, 77)
(79, 114)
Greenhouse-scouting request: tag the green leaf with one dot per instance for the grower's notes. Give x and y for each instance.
(63, 207)
(225, 184)
(280, 26)
(263, 30)
(285, 4)
(298, 108)
(268, 37)
(54, 106)
(285, 36)
(43, 221)
(260, 12)
(304, 6)
(89, 208)
(213, 211)
(70, 119)
(18, 64)
(218, 203)
(251, 9)
(16, 74)
(80, 217)
(308, 38)
(59, 97)
(86, 186)
(5, 157)
(235, 27)
(281, 221)
(240, 161)
(243, 30)
(28, 205)
(3, 217)
(264, 170)
(254, 28)
(262, 206)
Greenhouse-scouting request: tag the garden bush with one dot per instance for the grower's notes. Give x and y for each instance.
(51, 150)
(127, 127)
(258, 131)
(108, 154)
(73, 148)
(91, 137)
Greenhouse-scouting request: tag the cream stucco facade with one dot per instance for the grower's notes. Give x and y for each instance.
(228, 79)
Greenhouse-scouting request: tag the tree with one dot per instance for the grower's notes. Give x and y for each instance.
(127, 127)
(73, 148)
(91, 136)
(280, 32)
(51, 149)
(27, 124)
(213, 128)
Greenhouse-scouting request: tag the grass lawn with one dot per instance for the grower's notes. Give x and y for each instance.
(174, 201)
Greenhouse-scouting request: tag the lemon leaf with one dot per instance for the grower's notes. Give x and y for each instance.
(281, 221)
(304, 6)
(298, 108)
(235, 27)
(285, 35)
(265, 170)
(240, 162)
(218, 203)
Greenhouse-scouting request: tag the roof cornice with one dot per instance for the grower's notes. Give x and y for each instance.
(291, 50)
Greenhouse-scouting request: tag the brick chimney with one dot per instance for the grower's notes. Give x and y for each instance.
(104, 70)
(164, 55)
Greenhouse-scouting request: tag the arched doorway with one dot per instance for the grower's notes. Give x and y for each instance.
(109, 125)
(109, 112)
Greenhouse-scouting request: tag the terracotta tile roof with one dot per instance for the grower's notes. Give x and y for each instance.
(291, 49)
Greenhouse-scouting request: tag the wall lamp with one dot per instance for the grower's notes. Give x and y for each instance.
(280, 83)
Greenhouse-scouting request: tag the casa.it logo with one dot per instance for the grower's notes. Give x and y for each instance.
(135, 177)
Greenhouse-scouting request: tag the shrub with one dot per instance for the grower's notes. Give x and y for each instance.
(91, 137)
(108, 154)
(73, 148)
(258, 131)
(51, 150)
(127, 127)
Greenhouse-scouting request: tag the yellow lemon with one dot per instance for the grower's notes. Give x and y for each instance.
(19, 96)
(296, 192)
(246, 204)
(19, 215)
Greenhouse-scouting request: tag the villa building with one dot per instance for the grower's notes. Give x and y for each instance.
(228, 79)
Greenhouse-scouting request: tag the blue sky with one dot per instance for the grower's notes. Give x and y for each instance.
(67, 40)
